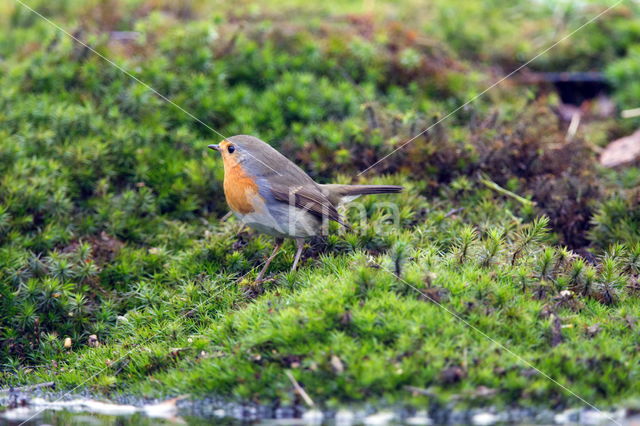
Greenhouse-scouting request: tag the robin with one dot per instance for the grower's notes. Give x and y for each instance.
(272, 195)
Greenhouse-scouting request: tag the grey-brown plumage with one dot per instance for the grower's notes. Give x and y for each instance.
(288, 203)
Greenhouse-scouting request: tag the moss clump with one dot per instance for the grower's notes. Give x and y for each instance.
(401, 310)
(617, 220)
(530, 156)
(115, 267)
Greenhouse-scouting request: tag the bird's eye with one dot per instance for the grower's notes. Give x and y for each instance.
(231, 149)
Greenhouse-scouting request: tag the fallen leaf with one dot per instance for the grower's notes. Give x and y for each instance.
(621, 151)
(93, 341)
(337, 365)
(567, 300)
(483, 392)
(452, 374)
(593, 330)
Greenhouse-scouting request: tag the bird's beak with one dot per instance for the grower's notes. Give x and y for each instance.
(216, 147)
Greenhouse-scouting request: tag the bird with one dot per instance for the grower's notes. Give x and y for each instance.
(272, 195)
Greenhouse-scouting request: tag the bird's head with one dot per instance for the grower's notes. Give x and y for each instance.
(231, 152)
(249, 151)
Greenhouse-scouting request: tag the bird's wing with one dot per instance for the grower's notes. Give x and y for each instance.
(289, 184)
(306, 197)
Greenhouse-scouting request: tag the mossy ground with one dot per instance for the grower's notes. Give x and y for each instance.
(110, 209)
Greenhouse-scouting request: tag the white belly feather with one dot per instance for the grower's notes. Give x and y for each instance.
(281, 220)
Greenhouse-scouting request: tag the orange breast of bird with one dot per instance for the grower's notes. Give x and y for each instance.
(240, 189)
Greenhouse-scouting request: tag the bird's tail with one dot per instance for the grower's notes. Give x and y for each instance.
(338, 194)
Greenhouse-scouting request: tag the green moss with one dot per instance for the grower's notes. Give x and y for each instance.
(201, 333)
(617, 220)
(110, 204)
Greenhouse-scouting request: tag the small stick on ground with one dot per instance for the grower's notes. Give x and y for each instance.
(630, 113)
(491, 184)
(420, 391)
(454, 211)
(573, 126)
(299, 389)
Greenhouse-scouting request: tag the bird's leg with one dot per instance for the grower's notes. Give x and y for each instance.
(300, 245)
(276, 247)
